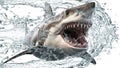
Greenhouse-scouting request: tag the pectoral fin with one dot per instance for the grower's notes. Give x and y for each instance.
(88, 57)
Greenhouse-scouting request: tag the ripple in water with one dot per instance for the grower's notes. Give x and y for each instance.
(101, 35)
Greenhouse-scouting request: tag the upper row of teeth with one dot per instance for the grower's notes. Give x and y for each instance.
(77, 25)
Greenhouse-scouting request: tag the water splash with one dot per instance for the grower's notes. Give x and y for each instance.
(101, 34)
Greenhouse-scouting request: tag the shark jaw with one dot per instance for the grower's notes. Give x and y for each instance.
(69, 35)
(74, 34)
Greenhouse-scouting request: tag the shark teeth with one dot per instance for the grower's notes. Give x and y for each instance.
(73, 33)
(78, 26)
(81, 25)
(74, 25)
(73, 42)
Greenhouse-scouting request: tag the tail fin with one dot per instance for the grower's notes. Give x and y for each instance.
(29, 51)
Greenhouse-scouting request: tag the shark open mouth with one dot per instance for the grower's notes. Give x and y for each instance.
(74, 34)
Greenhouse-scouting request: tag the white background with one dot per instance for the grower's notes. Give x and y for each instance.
(111, 60)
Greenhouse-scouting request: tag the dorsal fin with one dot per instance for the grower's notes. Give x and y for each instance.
(48, 12)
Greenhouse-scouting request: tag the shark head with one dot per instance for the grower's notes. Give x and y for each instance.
(68, 31)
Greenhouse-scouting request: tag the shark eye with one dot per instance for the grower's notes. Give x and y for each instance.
(68, 12)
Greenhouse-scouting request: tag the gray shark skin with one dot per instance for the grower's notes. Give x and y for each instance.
(48, 12)
(62, 36)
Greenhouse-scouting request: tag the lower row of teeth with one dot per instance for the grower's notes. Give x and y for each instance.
(76, 44)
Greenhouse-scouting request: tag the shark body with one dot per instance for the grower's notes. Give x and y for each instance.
(63, 36)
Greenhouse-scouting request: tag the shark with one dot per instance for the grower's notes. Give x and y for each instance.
(64, 35)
